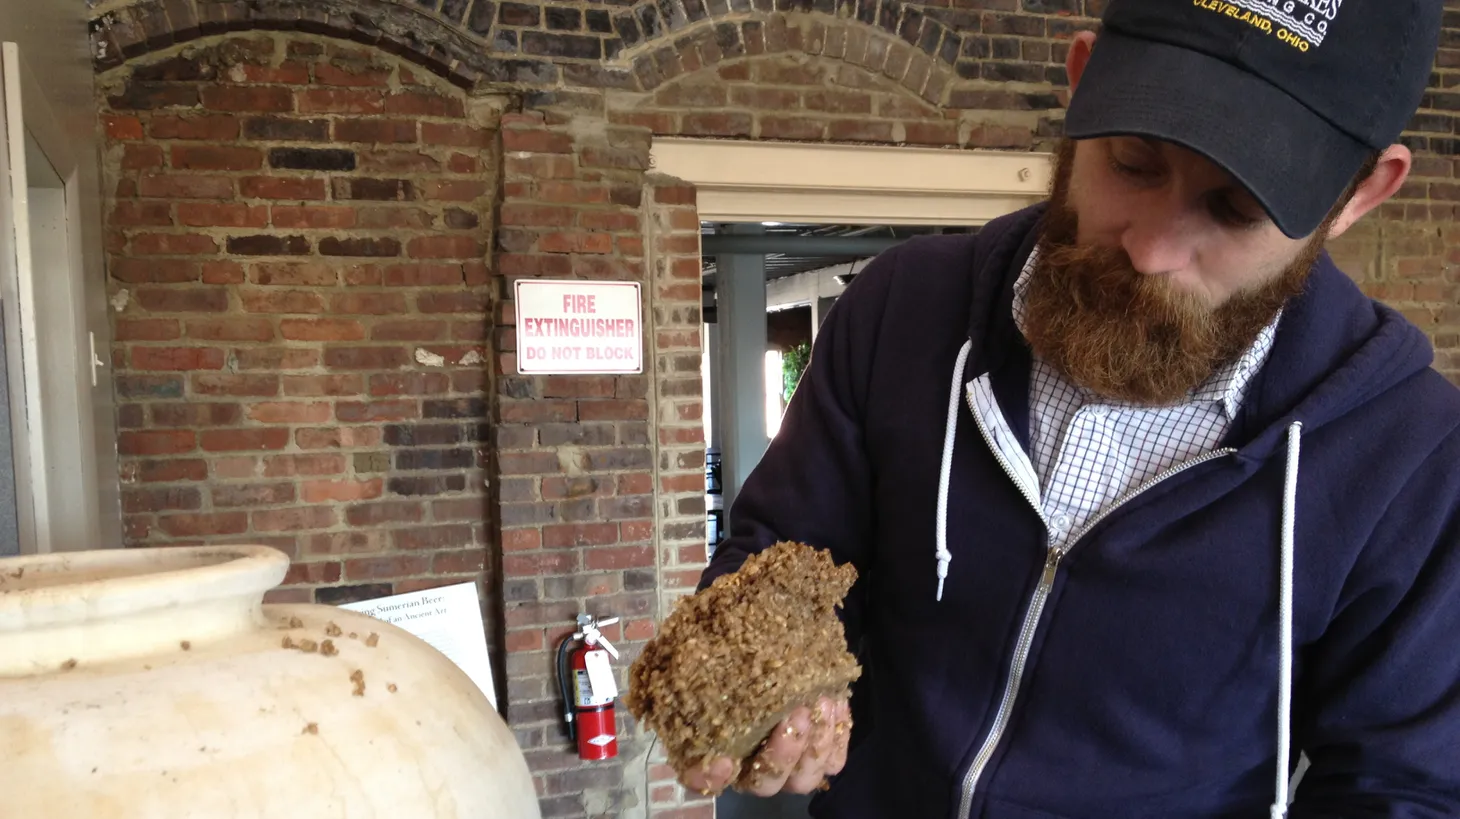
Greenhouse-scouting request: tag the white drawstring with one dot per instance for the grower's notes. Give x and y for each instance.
(950, 431)
(1285, 617)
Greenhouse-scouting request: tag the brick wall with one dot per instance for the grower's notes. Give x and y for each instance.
(260, 344)
(297, 233)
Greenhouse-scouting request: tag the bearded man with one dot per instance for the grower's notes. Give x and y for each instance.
(1148, 501)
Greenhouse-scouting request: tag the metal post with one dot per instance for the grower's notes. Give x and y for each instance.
(740, 316)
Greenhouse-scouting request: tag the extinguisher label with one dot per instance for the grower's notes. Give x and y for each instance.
(600, 676)
(595, 685)
(602, 740)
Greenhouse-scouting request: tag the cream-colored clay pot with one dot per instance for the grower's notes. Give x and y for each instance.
(154, 684)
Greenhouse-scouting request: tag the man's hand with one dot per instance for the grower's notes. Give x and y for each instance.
(808, 746)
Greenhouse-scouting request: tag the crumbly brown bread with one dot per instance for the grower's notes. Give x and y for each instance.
(733, 660)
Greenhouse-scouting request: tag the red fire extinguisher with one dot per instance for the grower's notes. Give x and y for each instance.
(586, 682)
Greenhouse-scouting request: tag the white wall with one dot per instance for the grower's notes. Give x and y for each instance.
(84, 509)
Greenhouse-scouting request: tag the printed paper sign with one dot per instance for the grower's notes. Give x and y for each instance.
(449, 619)
(579, 328)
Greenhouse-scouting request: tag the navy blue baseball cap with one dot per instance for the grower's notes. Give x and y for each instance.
(1289, 96)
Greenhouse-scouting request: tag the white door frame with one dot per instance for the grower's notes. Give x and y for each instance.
(852, 184)
(51, 360)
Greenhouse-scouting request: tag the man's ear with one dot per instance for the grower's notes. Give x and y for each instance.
(1389, 174)
(1079, 57)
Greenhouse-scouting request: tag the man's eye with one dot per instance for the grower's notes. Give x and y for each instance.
(1230, 215)
(1132, 171)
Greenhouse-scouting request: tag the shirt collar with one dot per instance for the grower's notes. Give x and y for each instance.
(1227, 386)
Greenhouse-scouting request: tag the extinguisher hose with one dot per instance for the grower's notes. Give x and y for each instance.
(566, 689)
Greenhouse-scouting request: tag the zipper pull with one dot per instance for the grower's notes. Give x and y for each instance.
(1051, 566)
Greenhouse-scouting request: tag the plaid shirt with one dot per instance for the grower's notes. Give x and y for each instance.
(1088, 453)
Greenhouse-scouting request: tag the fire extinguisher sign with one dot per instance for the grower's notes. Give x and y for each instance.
(595, 684)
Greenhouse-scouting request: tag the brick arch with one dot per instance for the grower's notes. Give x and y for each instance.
(801, 97)
(903, 46)
(443, 40)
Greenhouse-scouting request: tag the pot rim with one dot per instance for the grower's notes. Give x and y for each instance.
(164, 577)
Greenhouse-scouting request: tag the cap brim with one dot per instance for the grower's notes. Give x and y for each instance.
(1294, 162)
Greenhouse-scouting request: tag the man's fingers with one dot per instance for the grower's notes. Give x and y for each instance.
(711, 778)
(841, 737)
(770, 768)
(811, 768)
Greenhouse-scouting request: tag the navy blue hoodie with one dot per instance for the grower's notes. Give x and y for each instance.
(1140, 675)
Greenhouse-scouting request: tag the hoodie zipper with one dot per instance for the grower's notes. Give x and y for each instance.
(1041, 595)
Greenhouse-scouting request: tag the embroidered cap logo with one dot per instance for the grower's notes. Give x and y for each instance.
(1301, 24)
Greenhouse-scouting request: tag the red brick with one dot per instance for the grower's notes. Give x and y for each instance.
(328, 491)
(459, 562)
(534, 412)
(458, 190)
(459, 136)
(375, 131)
(147, 329)
(136, 157)
(637, 531)
(132, 214)
(522, 213)
(579, 534)
(412, 383)
(277, 358)
(357, 412)
(424, 105)
(196, 414)
(258, 386)
(202, 214)
(444, 247)
(185, 186)
(326, 74)
(177, 358)
(203, 525)
(289, 412)
(398, 162)
(366, 358)
(234, 440)
(290, 73)
(257, 494)
(374, 514)
(525, 640)
(285, 466)
(321, 330)
(623, 557)
(313, 216)
(378, 304)
(343, 543)
(393, 216)
(378, 568)
(536, 140)
(247, 98)
(282, 301)
(293, 274)
(161, 500)
(521, 540)
(608, 220)
(539, 564)
(284, 520)
(313, 573)
(310, 385)
(281, 187)
(682, 483)
(423, 275)
(462, 509)
(341, 101)
(216, 158)
(233, 468)
(693, 554)
(617, 410)
(158, 271)
(155, 442)
(458, 302)
(121, 127)
(172, 244)
(167, 471)
(231, 329)
(210, 127)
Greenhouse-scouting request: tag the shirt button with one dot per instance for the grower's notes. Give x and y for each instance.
(1097, 412)
(1060, 523)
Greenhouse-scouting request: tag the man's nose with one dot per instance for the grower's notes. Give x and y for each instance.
(1161, 240)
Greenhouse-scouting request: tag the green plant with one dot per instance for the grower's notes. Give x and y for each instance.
(793, 364)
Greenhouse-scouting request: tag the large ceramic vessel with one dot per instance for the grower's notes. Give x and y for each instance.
(154, 684)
